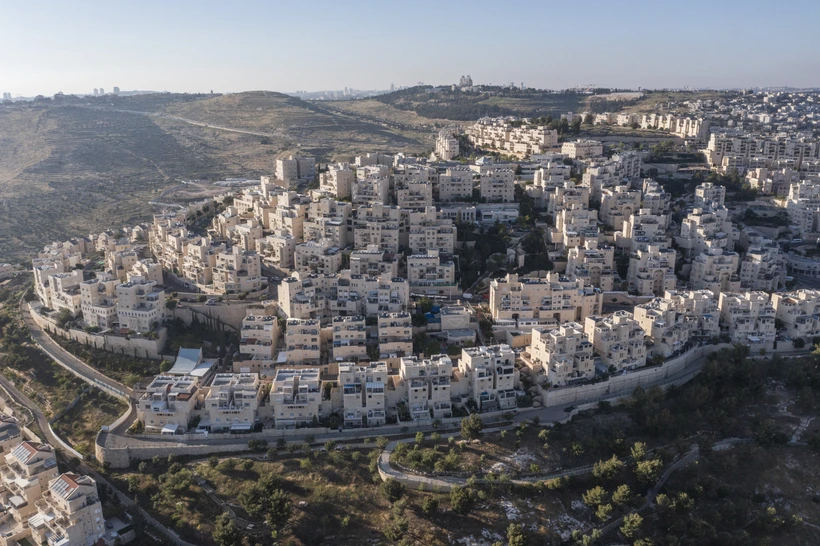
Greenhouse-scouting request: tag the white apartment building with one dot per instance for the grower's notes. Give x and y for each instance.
(456, 184)
(705, 229)
(232, 403)
(319, 256)
(277, 249)
(378, 225)
(25, 475)
(258, 337)
(708, 194)
(715, 271)
(148, 269)
(497, 185)
(490, 372)
(363, 394)
(655, 197)
(430, 274)
(295, 168)
(58, 290)
(749, 317)
(349, 338)
(672, 320)
(118, 263)
(803, 206)
(499, 134)
(455, 317)
(320, 296)
(414, 194)
(168, 403)
(652, 271)
(446, 145)
(574, 227)
(428, 230)
(565, 196)
(328, 219)
(618, 339)
(617, 204)
(800, 313)
(140, 305)
(288, 213)
(338, 180)
(564, 353)
(725, 146)
(582, 149)
(554, 296)
(99, 301)
(371, 190)
(69, 513)
(303, 341)
(763, 267)
(373, 262)
(237, 271)
(426, 386)
(593, 263)
(296, 397)
(643, 228)
(395, 334)
(771, 181)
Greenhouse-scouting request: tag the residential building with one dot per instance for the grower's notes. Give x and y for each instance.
(237, 271)
(25, 475)
(593, 263)
(258, 337)
(446, 145)
(554, 296)
(749, 317)
(715, 271)
(338, 180)
(799, 311)
(277, 249)
(232, 403)
(617, 204)
(373, 262)
(490, 372)
(349, 338)
(295, 168)
(303, 341)
(652, 271)
(426, 385)
(564, 353)
(320, 256)
(140, 305)
(69, 513)
(168, 403)
(763, 267)
(672, 320)
(708, 228)
(395, 334)
(582, 149)
(296, 397)
(456, 184)
(497, 186)
(9, 433)
(618, 339)
(99, 301)
(431, 274)
(363, 394)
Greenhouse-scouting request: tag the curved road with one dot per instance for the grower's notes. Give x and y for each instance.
(78, 367)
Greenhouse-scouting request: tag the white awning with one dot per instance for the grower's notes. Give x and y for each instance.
(170, 428)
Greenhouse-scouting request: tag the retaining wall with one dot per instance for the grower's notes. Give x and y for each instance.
(136, 346)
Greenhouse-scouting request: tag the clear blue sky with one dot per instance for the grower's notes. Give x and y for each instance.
(74, 46)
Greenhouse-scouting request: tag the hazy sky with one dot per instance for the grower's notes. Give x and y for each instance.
(74, 46)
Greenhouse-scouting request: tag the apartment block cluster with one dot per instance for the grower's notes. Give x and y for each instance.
(191, 397)
(40, 504)
(128, 296)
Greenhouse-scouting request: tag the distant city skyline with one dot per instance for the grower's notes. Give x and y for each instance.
(204, 46)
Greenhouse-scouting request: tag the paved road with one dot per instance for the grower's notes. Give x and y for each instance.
(78, 367)
(52, 439)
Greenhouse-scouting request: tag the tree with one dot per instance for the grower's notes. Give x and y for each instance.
(429, 506)
(622, 496)
(594, 496)
(393, 490)
(471, 427)
(226, 533)
(604, 511)
(381, 442)
(638, 451)
(461, 500)
(606, 470)
(213, 461)
(516, 535)
(419, 438)
(278, 509)
(648, 471)
(632, 524)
